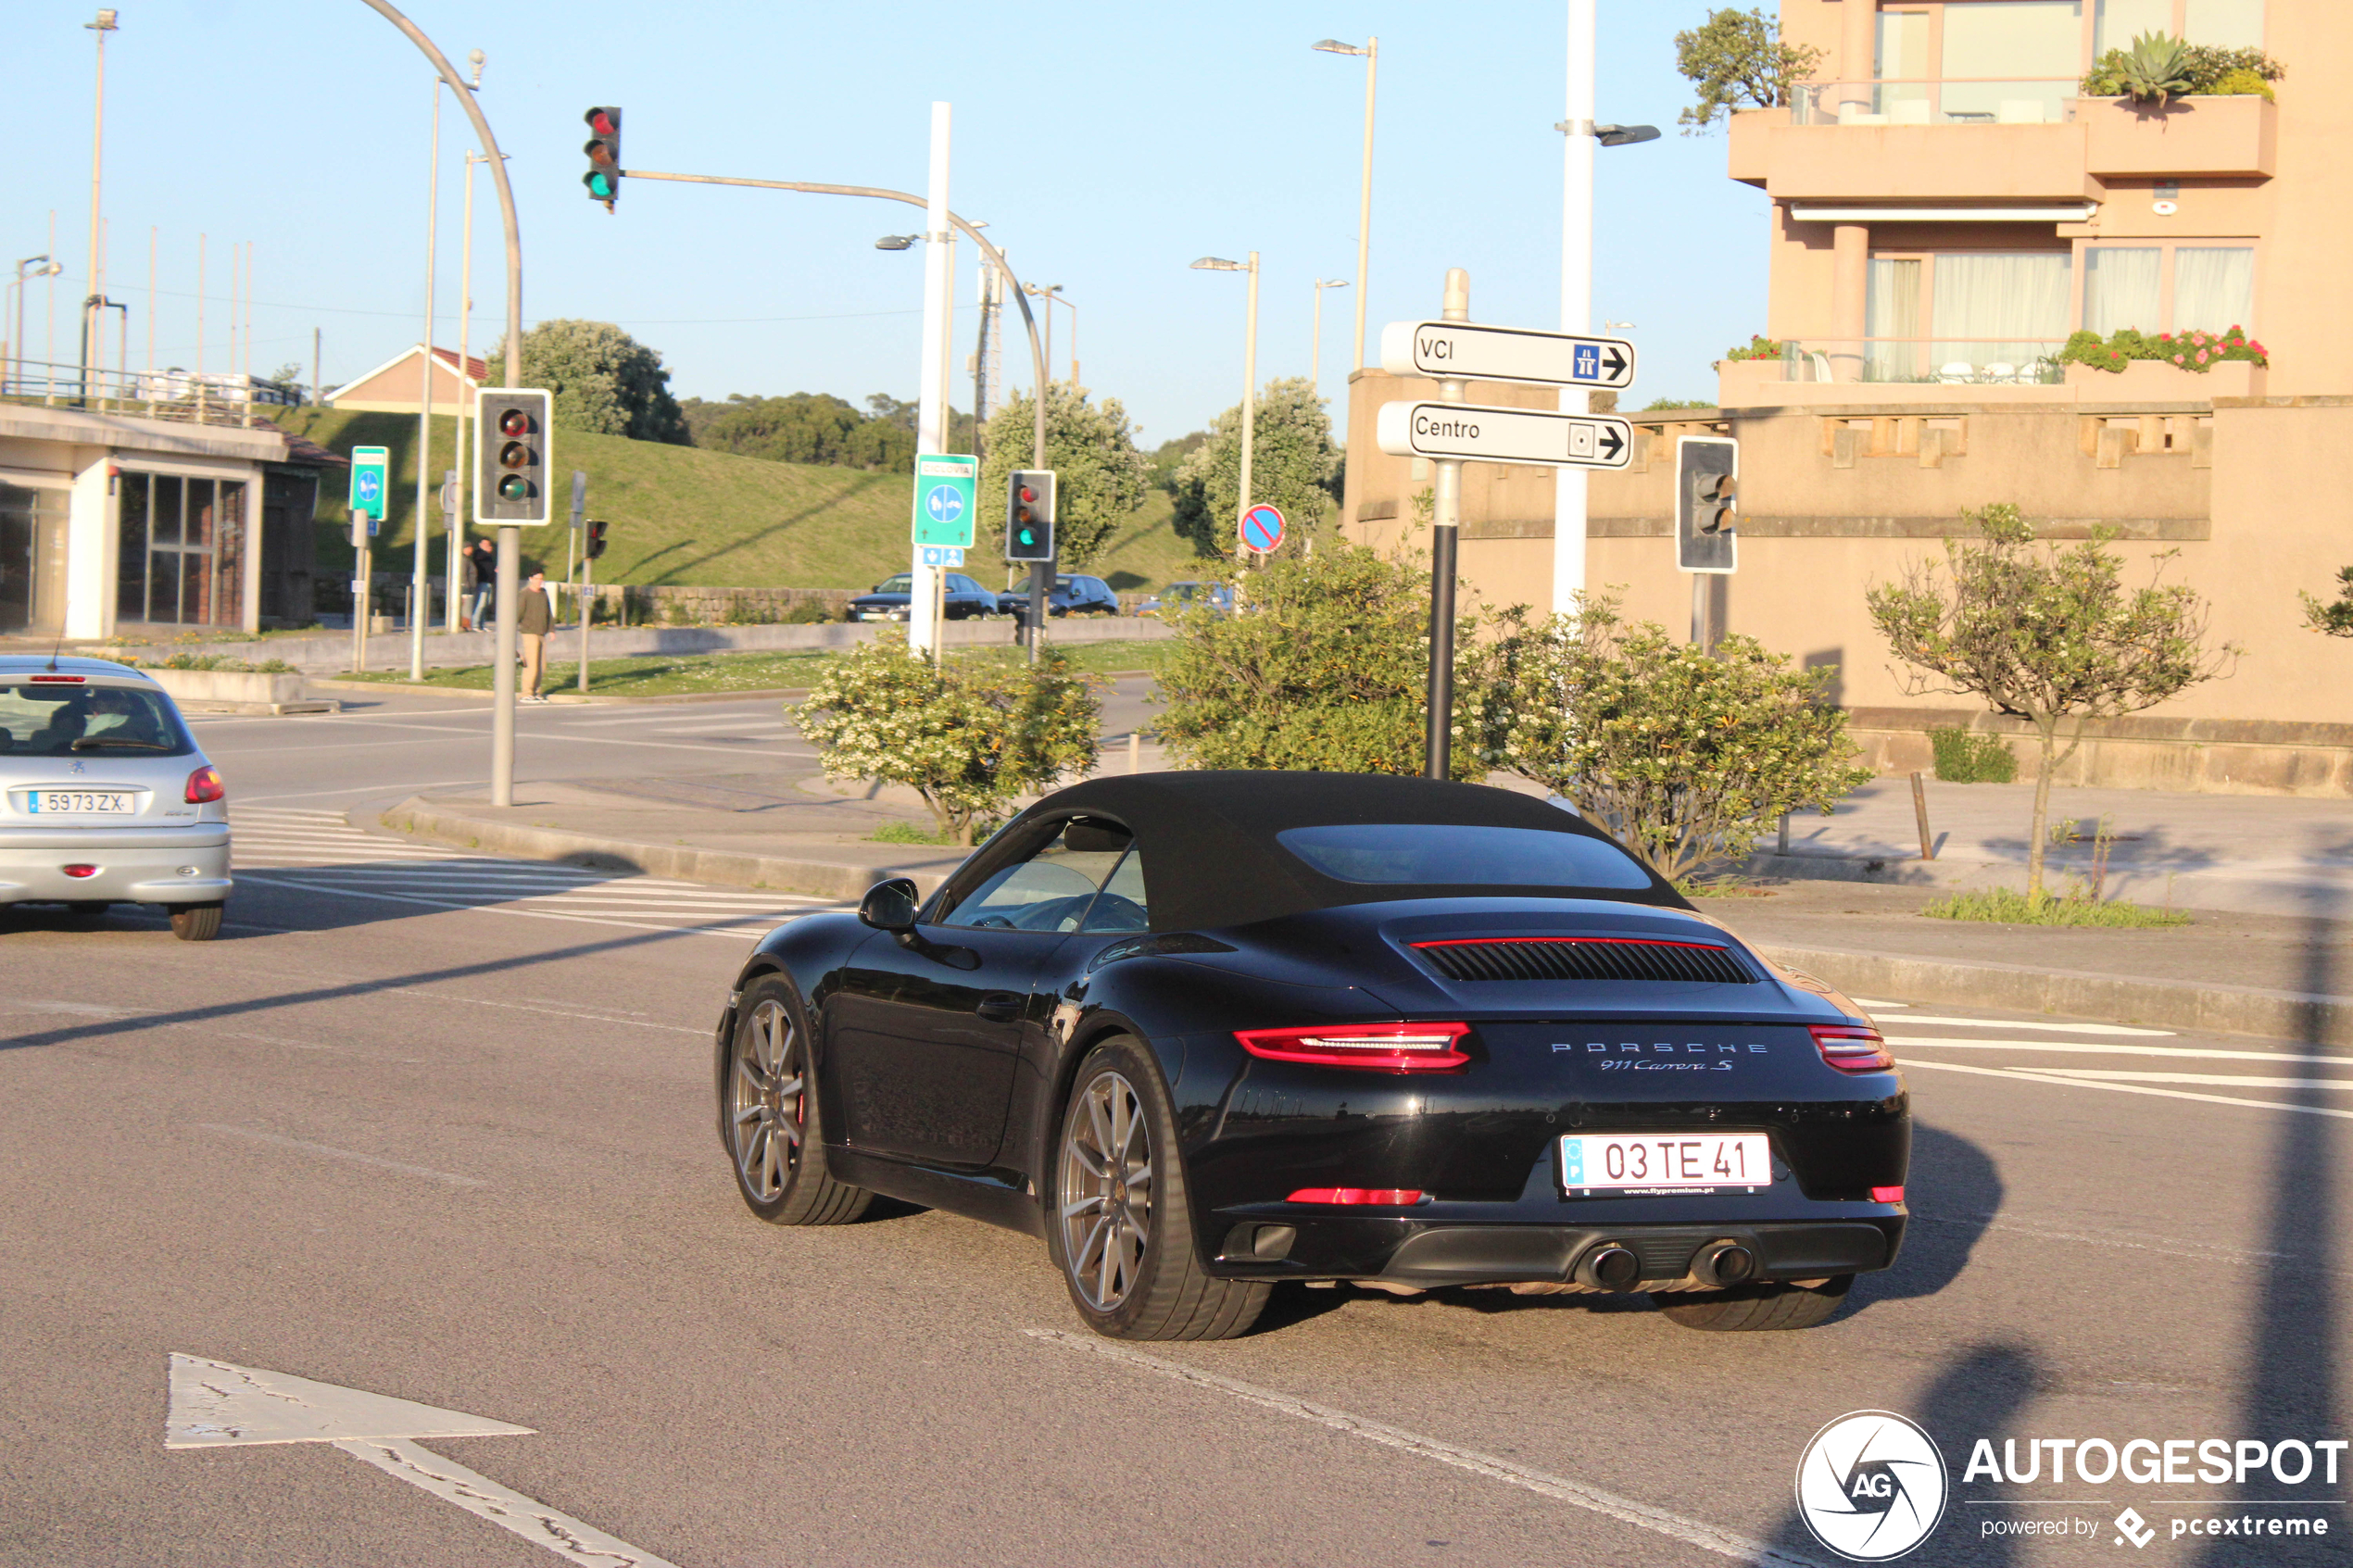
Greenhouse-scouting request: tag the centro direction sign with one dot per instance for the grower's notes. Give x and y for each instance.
(1460, 351)
(1474, 433)
(944, 483)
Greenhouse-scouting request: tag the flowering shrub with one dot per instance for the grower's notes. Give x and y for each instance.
(2189, 351)
(1759, 347)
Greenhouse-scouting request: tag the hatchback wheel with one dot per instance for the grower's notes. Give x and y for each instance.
(1122, 1228)
(769, 1100)
(196, 923)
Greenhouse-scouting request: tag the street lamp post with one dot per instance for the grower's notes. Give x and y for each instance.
(104, 25)
(1052, 294)
(47, 268)
(1371, 52)
(419, 588)
(1315, 355)
(1250, 378)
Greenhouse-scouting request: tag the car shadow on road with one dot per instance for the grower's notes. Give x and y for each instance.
(1956, 1192)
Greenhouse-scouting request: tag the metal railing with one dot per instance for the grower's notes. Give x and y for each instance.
(1935, 101)
(1919, 360)
(183, 395)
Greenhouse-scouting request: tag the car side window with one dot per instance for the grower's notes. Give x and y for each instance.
(1122, 905)
(1050, 889)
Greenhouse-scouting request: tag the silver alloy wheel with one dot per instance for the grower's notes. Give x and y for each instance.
(1106, 1190)
(768, 1106)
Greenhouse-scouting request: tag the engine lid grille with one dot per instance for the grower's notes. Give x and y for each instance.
(1584, 958)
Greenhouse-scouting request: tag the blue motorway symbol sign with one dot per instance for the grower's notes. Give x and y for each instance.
(1589, 361)
(944, 498)
(368, 482)
(1263, 527)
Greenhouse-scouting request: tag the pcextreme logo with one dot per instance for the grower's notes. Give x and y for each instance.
(1871, 1485)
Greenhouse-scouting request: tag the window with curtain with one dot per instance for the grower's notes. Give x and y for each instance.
(1998, 308)
(2226, 24)
(2011, 61)
(2213, 288)
(1892, 311)
(2115, 23)
(2121, 289)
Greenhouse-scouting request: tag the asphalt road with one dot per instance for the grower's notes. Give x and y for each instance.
(439, 1127)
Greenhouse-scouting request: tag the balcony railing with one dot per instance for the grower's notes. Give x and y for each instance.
(1919, 360)
(212, 400)
(1944, 102)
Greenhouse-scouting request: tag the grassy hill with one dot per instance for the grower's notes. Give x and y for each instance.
(684, 516)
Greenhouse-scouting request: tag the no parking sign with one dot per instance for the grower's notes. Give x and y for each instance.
(1262, 528)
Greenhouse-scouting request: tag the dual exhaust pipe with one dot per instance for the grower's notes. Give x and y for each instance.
(1614, 1266)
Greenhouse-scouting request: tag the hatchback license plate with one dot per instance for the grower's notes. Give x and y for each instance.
(1665, 1162)
(81, 802)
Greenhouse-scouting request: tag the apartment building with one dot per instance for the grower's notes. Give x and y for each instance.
(1947, 207)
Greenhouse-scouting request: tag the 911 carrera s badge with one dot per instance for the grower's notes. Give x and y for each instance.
(1634, 1056)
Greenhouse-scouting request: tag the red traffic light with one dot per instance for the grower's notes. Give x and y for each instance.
(1027, 494)
(601, 121)
(514, 422)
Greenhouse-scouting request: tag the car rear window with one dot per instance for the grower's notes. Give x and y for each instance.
(45, 720)
(903, 582)
(1448, 855)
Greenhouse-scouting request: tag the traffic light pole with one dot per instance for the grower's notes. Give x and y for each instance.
(1446, 516)
(502, 732)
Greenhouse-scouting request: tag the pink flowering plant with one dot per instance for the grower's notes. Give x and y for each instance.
(2197, 351)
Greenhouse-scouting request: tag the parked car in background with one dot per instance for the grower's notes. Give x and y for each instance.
(1217, 597)
(964, 599)
(105, 797)
(1071, 596)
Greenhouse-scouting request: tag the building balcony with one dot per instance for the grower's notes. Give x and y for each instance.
(1818, 372)
(1936, 140)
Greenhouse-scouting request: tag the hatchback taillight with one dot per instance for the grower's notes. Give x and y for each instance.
(1852, 1047)
(205, 784)
(1381, 1048)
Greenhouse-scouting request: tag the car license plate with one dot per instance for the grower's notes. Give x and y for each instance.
(1652, 1162)
(81, 802)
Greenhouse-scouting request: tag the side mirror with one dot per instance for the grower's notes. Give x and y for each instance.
(889, 905)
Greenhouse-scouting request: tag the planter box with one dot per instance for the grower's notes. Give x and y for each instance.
(237, 690)
(1745, 383)
(2154, 381)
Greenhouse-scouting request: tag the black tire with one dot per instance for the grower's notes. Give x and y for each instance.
(196, 923)
(768, 1116)
(1131, 1274)
(85, 909)
(1750, 1308)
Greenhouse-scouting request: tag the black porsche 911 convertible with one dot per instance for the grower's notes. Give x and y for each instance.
(1204, 1032)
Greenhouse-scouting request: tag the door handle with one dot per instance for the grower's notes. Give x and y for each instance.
(1000, 1007)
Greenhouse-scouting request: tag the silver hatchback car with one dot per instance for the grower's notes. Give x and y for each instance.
(105, 797)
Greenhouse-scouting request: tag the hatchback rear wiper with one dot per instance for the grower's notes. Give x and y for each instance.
(87, 742)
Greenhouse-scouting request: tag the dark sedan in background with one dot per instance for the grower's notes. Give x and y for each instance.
(1216, 598)
(1071, 596)
(964, 599)
(1207, 1033)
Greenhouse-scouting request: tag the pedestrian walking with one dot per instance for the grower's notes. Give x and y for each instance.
(482, 560)
(534, 620)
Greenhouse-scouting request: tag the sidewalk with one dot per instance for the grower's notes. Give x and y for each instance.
(2280, 975)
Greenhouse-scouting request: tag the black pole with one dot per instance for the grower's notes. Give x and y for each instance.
(1438, 749)
(1042, 584)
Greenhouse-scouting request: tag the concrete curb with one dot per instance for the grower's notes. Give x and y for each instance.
(2229, 1009)
(568, 699)
(2172, 1004)
(826, 878)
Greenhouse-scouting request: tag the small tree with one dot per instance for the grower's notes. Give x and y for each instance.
(968, 737)
(2333, 620)
(2048, 634)
(1099, 478)
(606, 382)
(1324, 667)
(1686, 756)
(1737, 59)
(1292, 464)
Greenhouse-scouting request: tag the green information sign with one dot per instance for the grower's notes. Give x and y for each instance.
(944, 498)
(371, 483)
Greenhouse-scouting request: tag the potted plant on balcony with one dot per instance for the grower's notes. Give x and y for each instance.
(2133, 364)
(2157, 70)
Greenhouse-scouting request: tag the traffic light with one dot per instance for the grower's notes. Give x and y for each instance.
(1706, 481)
(603, 178)
(1029, 515)
(512, 455)
(596, 545)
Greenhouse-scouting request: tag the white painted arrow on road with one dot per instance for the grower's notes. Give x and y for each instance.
(220, 1404)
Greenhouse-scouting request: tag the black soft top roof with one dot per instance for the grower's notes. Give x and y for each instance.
(1211, 854)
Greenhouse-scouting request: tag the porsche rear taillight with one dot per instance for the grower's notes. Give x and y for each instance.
(1852, 1047)
(204, 785)
(1379, 1047)
(1384, 1198)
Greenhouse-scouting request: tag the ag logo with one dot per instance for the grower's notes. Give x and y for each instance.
(1871, 1485)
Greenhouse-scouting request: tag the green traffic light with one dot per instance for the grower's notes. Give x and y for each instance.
(600, 184)
(514, 487)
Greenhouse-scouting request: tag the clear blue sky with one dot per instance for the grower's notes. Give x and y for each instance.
(1107, 146)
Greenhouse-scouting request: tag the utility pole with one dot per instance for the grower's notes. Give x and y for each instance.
(1315, 351)
(419, 587)
(454, 551)
(1576, 295)
(1445, 517)
(98, 290)
(931, 420)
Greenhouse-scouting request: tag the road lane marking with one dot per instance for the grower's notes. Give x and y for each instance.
(1910, 1017)
(1641, 1515)
(220, 1404)
(2025, 1076)
(2199, 1252)
(2064, 1047)
(328, 1151)
(2109, 1074)
(497, 910)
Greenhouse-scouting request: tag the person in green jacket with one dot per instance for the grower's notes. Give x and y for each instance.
(533, 623)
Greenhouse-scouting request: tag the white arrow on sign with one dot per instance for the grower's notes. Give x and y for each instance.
(1464, 352)
(1480, 434)
(219, 1404)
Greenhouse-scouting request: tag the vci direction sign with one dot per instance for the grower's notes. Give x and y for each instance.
(1464, 352)
(1479, 435)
